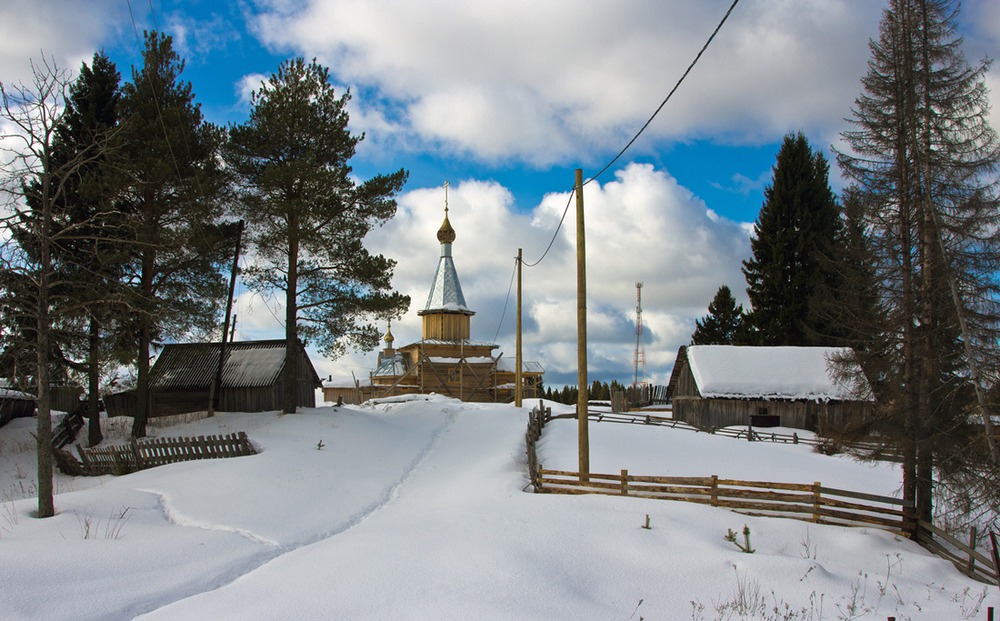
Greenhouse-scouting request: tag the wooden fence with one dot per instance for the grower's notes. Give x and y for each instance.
(149, 453)
(815, 503)
(964, 557)
(810, 502)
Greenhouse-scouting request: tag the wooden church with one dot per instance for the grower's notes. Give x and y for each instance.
(446, 360)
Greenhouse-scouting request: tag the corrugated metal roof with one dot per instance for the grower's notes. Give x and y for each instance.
(249, 364)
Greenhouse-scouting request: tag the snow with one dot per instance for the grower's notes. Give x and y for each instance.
(418, 507)
(10, 393)
(804, 373)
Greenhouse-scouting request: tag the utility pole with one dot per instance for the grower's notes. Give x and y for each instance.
(518, 396)
(583, 434)
(216, 387)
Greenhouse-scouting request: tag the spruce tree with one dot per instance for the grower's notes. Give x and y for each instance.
(307, 217)
(797, 226)
(95, 252)
(923, 160)
(723, 325)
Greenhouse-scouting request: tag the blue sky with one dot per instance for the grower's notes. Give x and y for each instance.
(504, 101)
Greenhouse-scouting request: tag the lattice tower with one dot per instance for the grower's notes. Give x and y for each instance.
(640, 351)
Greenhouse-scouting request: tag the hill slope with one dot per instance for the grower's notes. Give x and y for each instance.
(417, 510)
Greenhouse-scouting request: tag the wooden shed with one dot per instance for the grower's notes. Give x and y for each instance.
(15, 404)
(252, 379)
(715, 386)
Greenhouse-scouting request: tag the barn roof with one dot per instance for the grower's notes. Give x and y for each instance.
(781, 373)
(249, 364)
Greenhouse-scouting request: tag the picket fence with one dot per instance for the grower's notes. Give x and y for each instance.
(152, 452)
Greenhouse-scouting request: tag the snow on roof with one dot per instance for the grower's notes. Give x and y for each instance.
(10, 393)
(509, 365)
(789, 373)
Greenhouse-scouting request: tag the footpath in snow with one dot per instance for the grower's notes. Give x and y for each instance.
(421, 509)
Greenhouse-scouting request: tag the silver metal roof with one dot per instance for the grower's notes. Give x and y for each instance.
(392, 366)
(446, 291)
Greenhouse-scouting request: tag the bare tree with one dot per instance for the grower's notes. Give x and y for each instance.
(33, 185)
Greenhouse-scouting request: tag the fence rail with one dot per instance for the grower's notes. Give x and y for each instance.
(810, 502)
(963, 556)
(142, 454)
(814, 503)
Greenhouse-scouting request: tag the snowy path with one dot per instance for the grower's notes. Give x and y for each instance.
(215, 539)
(417, 511)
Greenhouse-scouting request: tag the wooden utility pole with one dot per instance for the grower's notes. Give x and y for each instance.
(581, 334)
(518, 396)
(216, 388)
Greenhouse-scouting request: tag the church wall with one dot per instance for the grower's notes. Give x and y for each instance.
(446, 326)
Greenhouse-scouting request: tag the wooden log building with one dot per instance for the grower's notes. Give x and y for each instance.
(714, 386)
(252, 379)
(446, 360)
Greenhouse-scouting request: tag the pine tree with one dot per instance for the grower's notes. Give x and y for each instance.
(307, 217)
(797, 226)
(923, 161)
(724, 323)
(172, 202)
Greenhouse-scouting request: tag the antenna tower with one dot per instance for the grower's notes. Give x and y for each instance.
(640, 351)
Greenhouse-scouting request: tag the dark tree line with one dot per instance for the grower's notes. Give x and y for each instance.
(597, 391)
(120, 210)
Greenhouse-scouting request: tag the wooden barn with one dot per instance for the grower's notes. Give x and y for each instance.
(15, 404)
(715, 386)
(252, 379)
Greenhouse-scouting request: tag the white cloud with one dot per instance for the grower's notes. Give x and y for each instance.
(66, 31)
(539, 82)
(247, 85)
(642, 226)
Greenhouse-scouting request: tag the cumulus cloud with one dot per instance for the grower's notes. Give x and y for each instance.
(56, 30)
(642, 226)
(539, 82)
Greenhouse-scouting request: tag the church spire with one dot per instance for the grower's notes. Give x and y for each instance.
(446, 291)
(446, 234)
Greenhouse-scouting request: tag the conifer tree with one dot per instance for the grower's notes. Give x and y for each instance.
(923, 160)
(95, 252)
(307, 217)
(797, 226)
(172, 201)
(723, 325)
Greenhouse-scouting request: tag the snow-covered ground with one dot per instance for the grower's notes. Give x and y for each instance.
(420, 509)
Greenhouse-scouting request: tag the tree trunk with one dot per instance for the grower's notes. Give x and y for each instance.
(142, 400)
(94, 435)
(291, 374)
(46, 505)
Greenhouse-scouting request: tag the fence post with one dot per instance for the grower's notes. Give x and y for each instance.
(624, 486)
(817, 501)
(970, 567)
(996, 556)
(137, 454)
(715, 490)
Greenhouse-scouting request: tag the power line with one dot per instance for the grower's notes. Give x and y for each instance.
(641, 129)
(506, 300)
(669, 95)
